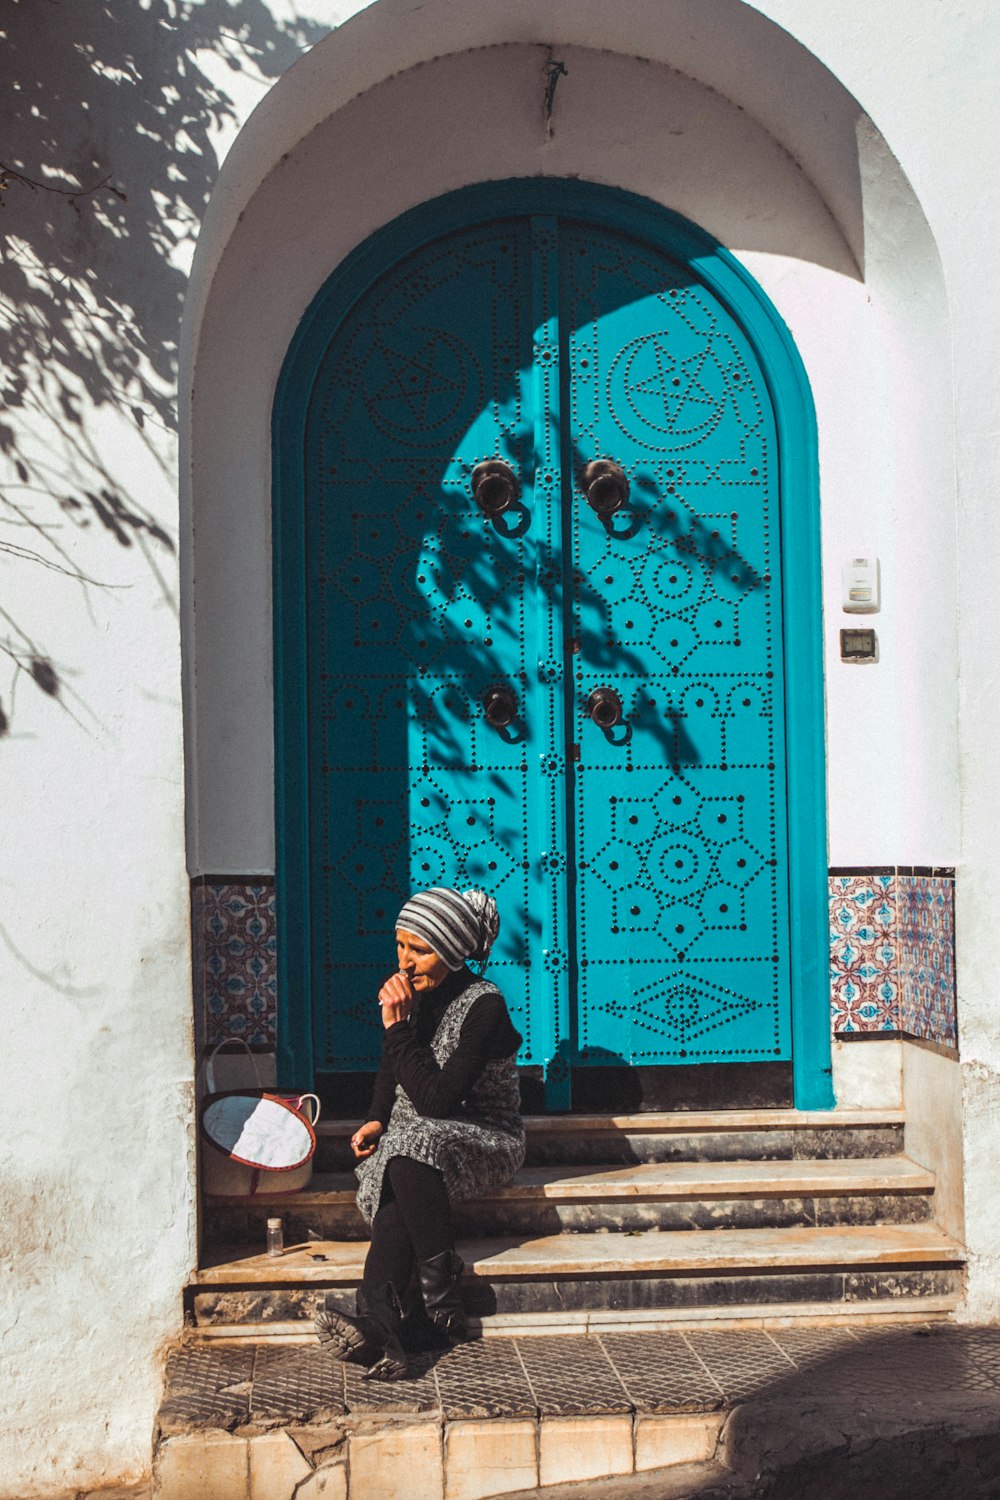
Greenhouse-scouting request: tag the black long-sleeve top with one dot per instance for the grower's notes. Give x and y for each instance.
(487, 1033)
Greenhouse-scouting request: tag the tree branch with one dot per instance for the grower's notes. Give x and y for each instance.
(10, 174)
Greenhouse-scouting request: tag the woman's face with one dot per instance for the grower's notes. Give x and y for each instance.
(418, 961)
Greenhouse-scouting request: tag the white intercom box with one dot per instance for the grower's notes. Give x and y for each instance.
(860, 585)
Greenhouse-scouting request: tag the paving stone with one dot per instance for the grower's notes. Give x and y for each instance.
(294, 1384)
(660, 1373)
(807, 1346)
(883, 1362)
(744, 1362)
(397, 1463)
(206, 1387)
(199, 1465)
(277, 1466)
(575, 1448)
(490, 1457)
(484, 1379)
(571, 1374)
(982, 1346)
(661, 1441)
(198, 1367)
(327, 1483)
(867, 1335)
(418, 1393)
(823, 1359)
(922, 1363)
(985, 1339)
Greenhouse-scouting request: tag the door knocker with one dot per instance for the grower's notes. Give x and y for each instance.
(604, 708)
(605, 485)
(500, 707)
(502, 712)
(495, 487)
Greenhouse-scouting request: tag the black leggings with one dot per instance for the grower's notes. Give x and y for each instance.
(413, 1223)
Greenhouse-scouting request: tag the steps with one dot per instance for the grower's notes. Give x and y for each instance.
(721, 1135)
(651, 1195)
(626, 1221)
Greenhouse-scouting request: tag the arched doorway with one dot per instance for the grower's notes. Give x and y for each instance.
(598, 693)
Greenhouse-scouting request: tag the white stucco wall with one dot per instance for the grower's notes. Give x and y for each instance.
(766, 151)
(927, 86)
(96, 1111)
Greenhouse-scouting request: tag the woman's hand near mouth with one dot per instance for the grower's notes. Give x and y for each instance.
(396, 998)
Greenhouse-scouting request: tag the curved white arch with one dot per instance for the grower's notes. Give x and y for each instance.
(727, 44)
(704, 105)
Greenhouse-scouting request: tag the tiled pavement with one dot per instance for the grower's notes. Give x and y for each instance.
(263, 1386)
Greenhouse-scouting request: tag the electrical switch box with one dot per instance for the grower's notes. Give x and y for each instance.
(858, 645)
(860, 585)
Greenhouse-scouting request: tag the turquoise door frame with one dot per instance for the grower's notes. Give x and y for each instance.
(710, 265)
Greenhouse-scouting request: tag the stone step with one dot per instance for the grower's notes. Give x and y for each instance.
(838, 1265)
(882, 1312)
(674, 1195)
(717, 1135)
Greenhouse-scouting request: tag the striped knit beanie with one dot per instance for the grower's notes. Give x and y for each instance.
(457, 924)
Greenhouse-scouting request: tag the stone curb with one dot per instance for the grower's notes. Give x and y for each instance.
(426, 1459)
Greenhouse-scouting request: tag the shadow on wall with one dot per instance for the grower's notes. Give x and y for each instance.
(106, 164)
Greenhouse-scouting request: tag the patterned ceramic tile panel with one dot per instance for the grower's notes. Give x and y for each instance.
(925, 924)
(864, 975)
(235, 960)
(891, 957)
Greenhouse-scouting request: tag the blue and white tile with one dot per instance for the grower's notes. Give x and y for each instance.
(864, 975)
(926, 941)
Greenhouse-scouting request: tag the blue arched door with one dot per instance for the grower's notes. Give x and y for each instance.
(577, 700)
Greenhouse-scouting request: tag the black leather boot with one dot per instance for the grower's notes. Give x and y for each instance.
(345, 1337)
(418, 1334)
(380, 1316)
(440, 1286)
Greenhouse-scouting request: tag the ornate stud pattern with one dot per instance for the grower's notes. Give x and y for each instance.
(418, 610)
(680, 816)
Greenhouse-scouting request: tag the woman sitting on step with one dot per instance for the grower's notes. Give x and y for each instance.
(444, 1124)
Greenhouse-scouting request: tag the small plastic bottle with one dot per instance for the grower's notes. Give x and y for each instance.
(275, 1238)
